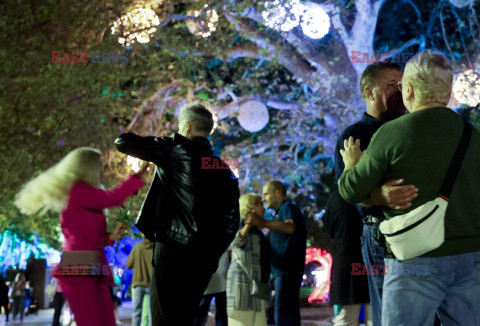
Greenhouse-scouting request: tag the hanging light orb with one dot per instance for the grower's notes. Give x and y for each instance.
(286, 15)
(206, 27)
(134, 163)
(282, 15)
(466, 87)
(315, 22)
(460, 3)
(136, 26)
(253, 116)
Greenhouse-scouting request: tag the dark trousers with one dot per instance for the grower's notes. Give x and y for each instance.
(180, 278)
(58, 301)
(5, 307)
(221, 318)
(287, 300)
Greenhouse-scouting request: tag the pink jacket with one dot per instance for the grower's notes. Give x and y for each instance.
(83, 223)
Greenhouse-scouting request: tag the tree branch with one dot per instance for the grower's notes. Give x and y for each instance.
(404, 46)
(445, 36)
(285, 53)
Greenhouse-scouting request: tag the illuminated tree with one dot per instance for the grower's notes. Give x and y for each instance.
(221, 53)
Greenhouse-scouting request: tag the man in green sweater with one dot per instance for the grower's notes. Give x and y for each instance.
(419, 147)
(140, 259)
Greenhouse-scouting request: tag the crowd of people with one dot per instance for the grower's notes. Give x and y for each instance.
(190, 214)
(388, 163)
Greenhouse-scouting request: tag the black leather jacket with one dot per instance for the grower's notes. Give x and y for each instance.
(186, 204)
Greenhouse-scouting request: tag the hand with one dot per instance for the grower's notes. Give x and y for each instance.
(396, 196)
(142, 170)
(252, 219)
(120, 232)
(352, 153)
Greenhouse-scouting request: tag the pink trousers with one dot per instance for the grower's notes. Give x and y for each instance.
(89, 299)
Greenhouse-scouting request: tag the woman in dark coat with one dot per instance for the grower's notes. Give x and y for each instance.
(349, 286)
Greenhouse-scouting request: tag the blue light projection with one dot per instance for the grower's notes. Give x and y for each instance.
(15, 251)
(117, 256)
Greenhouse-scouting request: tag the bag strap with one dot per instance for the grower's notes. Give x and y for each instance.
(241, 265)
(452, 173)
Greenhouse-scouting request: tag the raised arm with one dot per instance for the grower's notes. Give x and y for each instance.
(98, 199)
(361, 175)
(152, 149)
(287, 226)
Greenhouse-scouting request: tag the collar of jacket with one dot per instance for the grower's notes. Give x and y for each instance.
(198, 140)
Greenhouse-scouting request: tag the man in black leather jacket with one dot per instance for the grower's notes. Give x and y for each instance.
(190, 213)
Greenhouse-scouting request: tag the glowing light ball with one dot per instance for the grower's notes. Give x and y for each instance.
(136, 26)
(134, 163)
(253, 116)
(322, 276)
(285, 15)
(315, 22)
(203, 28)
(466, 87)
(460, 3)
(282, 15)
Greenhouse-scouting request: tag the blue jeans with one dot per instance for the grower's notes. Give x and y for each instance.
(138, 293)
(373, 254)
(287, 300)
(417, 288)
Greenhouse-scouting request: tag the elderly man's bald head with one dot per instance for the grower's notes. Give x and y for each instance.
(277, 186)
(274, 193)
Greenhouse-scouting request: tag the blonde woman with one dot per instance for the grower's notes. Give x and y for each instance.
(250, 261)
(72, 188)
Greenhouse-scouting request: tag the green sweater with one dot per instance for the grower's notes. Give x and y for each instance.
(140, 259)
(419, 147)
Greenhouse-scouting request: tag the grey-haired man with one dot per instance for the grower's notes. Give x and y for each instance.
(190, 213)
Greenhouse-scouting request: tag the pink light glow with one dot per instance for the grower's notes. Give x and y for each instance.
(325, 259)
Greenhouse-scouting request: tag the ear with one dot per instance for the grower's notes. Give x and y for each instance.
(188, 128)
(368, 90)
(410, 92)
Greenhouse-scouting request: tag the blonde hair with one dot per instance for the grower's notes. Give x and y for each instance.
(430, 74)
(247, 202)
(51, 189)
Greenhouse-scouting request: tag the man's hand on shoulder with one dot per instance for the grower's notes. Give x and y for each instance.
(352, 152)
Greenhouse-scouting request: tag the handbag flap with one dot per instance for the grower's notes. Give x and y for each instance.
(401, 222)
(79, 257)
